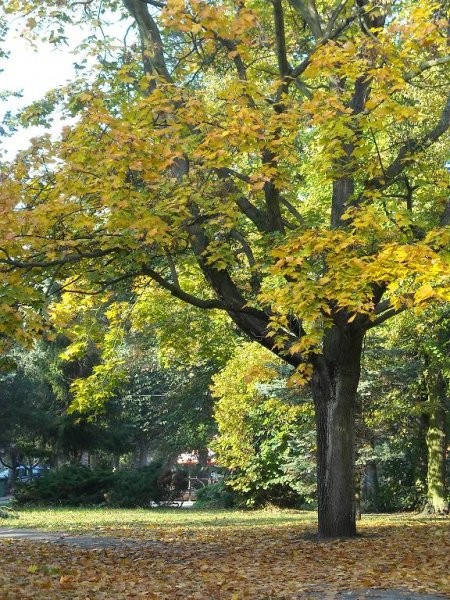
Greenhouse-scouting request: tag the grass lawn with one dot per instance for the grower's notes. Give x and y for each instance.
(219, 555)
(136, 522)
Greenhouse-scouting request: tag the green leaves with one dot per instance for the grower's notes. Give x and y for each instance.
(257, 428)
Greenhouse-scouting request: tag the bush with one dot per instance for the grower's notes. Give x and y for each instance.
(400, 485)
(76, 485)
(72, 485)
(396, 498)
(216, 495)
(264, 432)
(6, 513)
(136, 488)
(172, 484)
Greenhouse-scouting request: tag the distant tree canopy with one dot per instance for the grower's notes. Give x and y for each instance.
(282, 162)
(155, 413)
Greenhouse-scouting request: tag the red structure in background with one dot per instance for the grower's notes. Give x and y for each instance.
(205, 476)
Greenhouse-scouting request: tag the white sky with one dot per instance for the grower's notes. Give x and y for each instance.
(34, 71)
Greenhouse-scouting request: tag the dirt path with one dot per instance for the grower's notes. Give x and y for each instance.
(89, 542)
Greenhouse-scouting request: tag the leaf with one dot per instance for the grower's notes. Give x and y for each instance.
(424, 293)
(247, 555)
(33, 569)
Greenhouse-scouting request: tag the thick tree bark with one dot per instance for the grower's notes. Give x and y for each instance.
(436, 440)
(334, 384)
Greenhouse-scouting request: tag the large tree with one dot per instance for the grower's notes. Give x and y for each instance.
(280, 161)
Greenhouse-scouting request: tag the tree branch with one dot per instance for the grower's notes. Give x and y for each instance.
(68, 259)
(300, 68)
(104, 284)
(273, 218)
(176, 291)
(424, 66)
(291, 208)
(236, 235)
(225, 171)
(256, 216)
(406, 151)
(445, 218)
(391, 312)
(307, 10)
(334, 15)
(384, 311)
(150, 36)
(280, 39)
(231, 46)
(155, 3)
(5, 464)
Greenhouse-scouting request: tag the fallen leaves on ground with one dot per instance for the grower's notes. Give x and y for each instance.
(231, 563)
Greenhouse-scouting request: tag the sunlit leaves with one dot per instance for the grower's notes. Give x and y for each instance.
(178, 336)
(257, 427)
(183, 171)
(342, 266)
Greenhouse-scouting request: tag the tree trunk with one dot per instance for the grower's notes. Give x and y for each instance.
(370, 485)
(143, 454)
(12, 474)
(334, 384)
(358, 500)
(85, 458)
(436, 439)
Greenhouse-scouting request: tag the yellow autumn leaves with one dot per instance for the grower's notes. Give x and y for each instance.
(239, 557)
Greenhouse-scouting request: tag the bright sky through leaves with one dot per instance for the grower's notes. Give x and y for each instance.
(34, 68)
(32, 71)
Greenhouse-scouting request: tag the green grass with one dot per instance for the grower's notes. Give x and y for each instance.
(139, 522)
(103, 519)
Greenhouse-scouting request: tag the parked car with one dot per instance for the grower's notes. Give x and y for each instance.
(24, 473)
(39, 470)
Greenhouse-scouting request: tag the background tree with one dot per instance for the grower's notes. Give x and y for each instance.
(391, 451)
(147, 375)
(26, 414)
(427, 338)
(278, 162)
(265, 433)
(404, 413)
(33, 407)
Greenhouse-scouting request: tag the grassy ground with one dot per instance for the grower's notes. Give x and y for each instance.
(220, 555)
(138, 521)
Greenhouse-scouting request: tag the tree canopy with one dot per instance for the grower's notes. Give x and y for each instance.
(283, 162)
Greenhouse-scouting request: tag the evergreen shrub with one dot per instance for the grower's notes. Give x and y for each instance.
(72, 485)
(216, 495)
(137, 487)
(76, 485)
